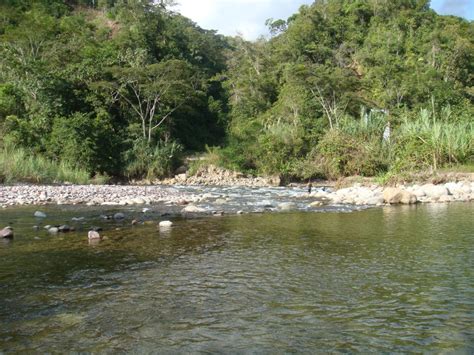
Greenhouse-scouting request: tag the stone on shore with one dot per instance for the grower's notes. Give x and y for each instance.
(392, 195)
(434, 192)
(395, 195)
(375, 200)
(6, 232)
(408, 198)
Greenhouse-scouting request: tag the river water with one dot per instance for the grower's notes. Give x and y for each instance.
(386, 279)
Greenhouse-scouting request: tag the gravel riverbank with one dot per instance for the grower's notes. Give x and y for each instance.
(92, 195)
(122, 195)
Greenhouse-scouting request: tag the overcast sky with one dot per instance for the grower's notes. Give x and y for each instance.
(247, 17)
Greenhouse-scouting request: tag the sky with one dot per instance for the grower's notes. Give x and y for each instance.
(247, 17)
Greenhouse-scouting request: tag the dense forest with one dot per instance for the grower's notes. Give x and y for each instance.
(126, 88)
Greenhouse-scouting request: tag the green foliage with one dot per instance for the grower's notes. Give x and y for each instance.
(333, 57)
(341, 154)
(109, 85)
(86, 142)
(77, 76)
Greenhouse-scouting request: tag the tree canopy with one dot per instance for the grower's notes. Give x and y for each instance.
(111, 85)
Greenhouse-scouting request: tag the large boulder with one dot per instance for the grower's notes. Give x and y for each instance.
(460, 189)
(376, 200)
(392, 195)
(434, 192)
(395, 195)
(408, 198)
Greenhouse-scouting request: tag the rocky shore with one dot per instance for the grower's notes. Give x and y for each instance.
(210, 175)
(462, 191)
(123, 195)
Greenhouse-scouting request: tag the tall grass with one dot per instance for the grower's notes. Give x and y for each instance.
(150, 162)
(435, 140)
(17, 165)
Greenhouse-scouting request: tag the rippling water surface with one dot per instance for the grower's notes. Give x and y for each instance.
(385, 279)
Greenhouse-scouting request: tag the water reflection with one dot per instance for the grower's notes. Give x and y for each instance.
(380, 280)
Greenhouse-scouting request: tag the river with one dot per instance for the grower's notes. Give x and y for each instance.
(389, 279)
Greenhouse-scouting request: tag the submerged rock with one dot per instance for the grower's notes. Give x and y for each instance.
(64, 228)
(119, 215)
(165, 224)
(53, 230)
(39, 214)
(7, 232)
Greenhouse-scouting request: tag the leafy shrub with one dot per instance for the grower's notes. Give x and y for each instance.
(86, 141)
(340, 154)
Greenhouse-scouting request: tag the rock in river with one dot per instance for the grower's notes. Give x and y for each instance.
(287, 206)
(193, 209)
(165, 224)
(64, 228)
(40, 214)
(6, 232)
(119, 215)
(93, 235)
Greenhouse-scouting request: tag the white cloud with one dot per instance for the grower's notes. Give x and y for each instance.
(230, 17)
